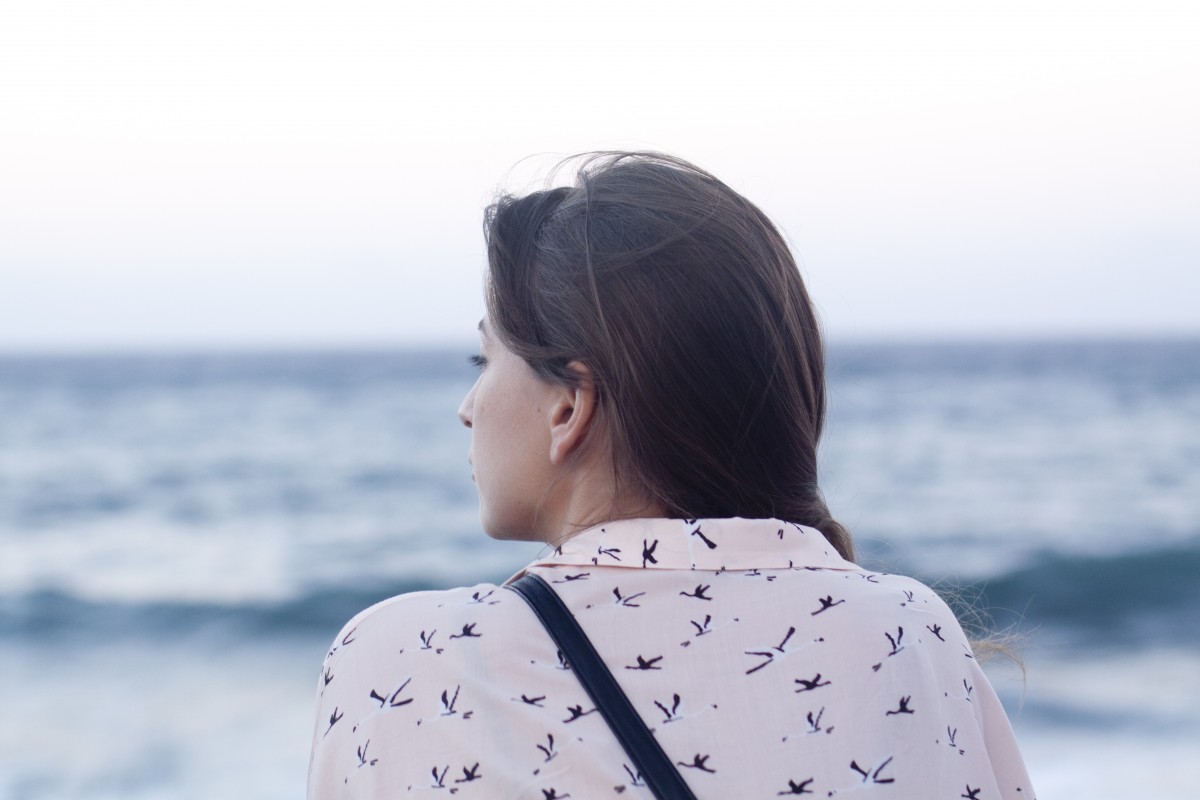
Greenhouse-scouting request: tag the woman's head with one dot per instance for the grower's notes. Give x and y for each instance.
(679, 303)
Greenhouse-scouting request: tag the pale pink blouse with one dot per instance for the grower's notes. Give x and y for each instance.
(765, 664)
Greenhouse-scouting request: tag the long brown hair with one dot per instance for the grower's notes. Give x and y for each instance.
(686, 305)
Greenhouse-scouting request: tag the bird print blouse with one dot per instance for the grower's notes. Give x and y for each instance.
(765, 665)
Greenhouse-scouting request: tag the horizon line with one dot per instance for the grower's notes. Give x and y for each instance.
(398, 346)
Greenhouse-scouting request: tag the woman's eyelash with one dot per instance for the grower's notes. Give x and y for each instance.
(477, 361)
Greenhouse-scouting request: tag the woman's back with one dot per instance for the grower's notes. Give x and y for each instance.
(764, 663)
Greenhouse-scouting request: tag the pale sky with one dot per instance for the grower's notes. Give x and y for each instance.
(288, 174)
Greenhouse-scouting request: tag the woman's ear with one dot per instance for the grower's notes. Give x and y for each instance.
(572, 414)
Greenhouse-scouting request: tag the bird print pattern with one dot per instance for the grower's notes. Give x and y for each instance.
(764, 664)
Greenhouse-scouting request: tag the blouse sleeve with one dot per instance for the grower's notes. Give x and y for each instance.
(335, 714)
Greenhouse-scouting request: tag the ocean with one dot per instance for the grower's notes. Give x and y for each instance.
(182, 535)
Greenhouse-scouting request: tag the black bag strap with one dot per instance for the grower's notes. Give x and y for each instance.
(648, 757)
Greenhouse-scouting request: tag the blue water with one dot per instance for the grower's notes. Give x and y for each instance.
(181, 536)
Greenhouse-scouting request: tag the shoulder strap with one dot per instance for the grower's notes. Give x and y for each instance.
(648, 757)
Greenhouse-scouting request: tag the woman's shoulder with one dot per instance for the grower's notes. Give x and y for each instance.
(871, 606)
(906, 594)
(427, 615)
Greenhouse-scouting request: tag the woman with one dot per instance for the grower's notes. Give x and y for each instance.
(650, 402)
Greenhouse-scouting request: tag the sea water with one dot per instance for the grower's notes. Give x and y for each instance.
(182, 535)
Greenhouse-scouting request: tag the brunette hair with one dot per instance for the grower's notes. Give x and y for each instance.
(686, 305)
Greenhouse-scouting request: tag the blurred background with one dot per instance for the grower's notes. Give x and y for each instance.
(240, 261)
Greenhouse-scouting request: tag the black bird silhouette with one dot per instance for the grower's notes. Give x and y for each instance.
(548, 747)
(469, 775)
(448, 701)
(648, 552)
(809, 685)
(702, 629)
(533, 701)
(699, 594)
(709, 543)
(569, 578)
(576, 712)
(334, 718)
(552, 794)
(896, 646)
(873, 776)
(936, 630)
(972, 794)
(644, 664)
(770, 656)
(362, 755)
(669, 714)
(903, 709)
(698, 762)
(328, 677)
(611, 552)
(827, 603)
(394, 701)
(438, 780)
(626, 600)
(468, 632)
(797, 788)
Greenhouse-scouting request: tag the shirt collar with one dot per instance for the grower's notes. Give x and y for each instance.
(709, 544)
